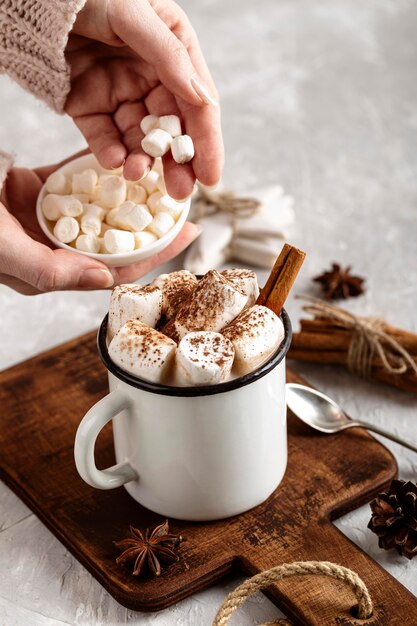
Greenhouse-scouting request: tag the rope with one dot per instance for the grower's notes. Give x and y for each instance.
(210, 203)
(368, 338)
(298, 568)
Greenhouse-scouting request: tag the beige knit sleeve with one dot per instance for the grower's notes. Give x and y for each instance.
(33, 37)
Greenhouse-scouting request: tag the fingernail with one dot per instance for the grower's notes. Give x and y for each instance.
(202, 91)
(210, 187)
(95, 279)
(144, 175)
(199, 229)
(117, 167)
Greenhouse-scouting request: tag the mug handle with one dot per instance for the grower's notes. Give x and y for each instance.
(88, 430)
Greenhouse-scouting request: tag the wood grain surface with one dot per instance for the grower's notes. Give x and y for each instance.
(43, 401)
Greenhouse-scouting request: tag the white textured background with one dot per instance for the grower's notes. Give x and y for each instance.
(320, 96)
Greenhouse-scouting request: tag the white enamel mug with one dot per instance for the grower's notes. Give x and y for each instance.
(192, 453)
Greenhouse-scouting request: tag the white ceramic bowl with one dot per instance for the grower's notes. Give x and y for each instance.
(112, 260)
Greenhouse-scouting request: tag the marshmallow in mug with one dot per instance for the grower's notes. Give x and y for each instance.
(131, 301)
(143, 351)
(212, 305)
(203, 358)
(255, 334)
(196, 312)
(176, 288)
(138, 214)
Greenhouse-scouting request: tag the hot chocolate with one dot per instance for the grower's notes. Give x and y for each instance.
(184, 332)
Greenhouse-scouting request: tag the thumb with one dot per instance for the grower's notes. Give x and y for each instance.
(138, 25)
(52, 270)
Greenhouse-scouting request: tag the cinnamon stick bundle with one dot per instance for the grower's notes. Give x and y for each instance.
(329, 341)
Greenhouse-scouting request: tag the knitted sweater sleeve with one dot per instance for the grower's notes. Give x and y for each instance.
(33, 37)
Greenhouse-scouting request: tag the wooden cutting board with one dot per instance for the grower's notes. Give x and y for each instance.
(42, 402)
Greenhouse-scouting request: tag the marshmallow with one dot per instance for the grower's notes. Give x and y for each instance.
(148, 123)
(53, 206)
(111, 217)
(90, 225)
(161, 224)
(94, 209)
(88, 243)
(182, 149)
(170, 206)
(246, 281)
(176, 288)
(50, 208)
(66, 229)
(130, 216)
(84, 182)
(134, 302)
(212, 305)
(143, 351)
(113, 191)
(105, 227)
(153, 201)
(203, 358)
(116, 241)
(256, 334)
(84, 198)
(58, 183)
(95, 194)
(158, 166)
(143, 238)
(160, 184)
(171, 124)
(150, 182)
(137, 194)
(156, 143)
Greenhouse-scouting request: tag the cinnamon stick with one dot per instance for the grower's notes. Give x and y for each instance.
(281, 278)
(326, 356)
(323, 327)
(406, 381)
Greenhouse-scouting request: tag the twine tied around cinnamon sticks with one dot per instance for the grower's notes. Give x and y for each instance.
(298, 568)
(368, 339)
(209, 202)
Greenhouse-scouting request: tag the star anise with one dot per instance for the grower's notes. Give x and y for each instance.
(394, 518)
(340, 283)
(149, 548)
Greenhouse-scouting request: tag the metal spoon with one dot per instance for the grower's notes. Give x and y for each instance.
(321, 413)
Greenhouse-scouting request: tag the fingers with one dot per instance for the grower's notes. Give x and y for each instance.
(203, 125)
(104, 139)
(127, 119)
(138, 24)
(43, 269)
(188, 234)
(30, 267)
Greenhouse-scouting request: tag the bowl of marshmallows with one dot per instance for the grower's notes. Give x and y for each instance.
(96, 212)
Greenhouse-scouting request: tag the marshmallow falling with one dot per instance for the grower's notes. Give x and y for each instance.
(105, 214)
(183, 332)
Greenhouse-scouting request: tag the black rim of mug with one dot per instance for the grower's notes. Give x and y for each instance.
(206, 390)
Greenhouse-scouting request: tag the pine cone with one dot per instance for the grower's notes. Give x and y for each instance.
(394, 518)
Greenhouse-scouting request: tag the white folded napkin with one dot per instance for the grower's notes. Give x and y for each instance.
(252, 234)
